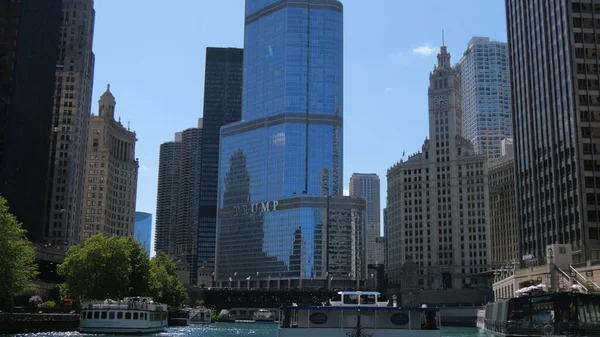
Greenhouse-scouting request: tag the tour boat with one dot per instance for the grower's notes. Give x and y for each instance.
(359, 314)
(263, 315)
(544, 314)
(200, 315)
(131, 315)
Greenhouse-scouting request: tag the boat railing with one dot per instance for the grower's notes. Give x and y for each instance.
(370, 317)
(124, 306)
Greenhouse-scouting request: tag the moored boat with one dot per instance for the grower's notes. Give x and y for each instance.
(544, 314)
(359, 314)
(200, 315)
(263, 315)
(131, 315)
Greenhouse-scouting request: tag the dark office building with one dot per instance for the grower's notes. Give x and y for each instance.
(222, 105)
(29, 40)
(554, 67)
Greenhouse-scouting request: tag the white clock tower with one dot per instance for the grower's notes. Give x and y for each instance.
(437, 205)
(445, 115)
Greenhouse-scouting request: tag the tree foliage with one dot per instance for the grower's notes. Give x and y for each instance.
(99, 270)
(165, 285)
(112, 267)
(17, 256)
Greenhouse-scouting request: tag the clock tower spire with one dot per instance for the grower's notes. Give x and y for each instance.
(445, 114)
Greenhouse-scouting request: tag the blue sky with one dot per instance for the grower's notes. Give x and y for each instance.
(153, 52)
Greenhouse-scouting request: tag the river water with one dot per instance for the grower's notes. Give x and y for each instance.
(231, 330)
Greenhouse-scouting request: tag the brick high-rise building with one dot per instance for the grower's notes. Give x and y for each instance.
(70, 123)
(504, 237)
(110, 176)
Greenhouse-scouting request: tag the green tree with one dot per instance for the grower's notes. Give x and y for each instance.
(17, 256)
(140, 267)
(165, 285)
(101, 269)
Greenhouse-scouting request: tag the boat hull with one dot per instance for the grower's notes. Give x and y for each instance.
(122, 330)
(329, 332)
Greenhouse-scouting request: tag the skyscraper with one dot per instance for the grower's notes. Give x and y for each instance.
(366, 186)
(436, 225)
(554, 91)
(222, 105)
(29, 41)
(71, 116)
(110, 184)
(288, 147)
(166, 196)
(485, 88)
(143, 230)
(504, 239)
(188, 199)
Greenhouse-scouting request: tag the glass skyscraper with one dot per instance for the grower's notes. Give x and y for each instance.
(143, 230)
(284, 157)
(485, 89)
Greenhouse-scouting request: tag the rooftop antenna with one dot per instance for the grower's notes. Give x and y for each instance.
(443, 44)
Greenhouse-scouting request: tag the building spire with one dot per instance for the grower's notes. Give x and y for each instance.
(443, 44)
(108, 87)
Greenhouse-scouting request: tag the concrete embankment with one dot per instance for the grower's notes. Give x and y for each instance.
(13, 323)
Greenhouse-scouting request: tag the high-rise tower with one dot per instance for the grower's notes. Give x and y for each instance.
(166, 196)
(366, 186)
(290, 138)
(485, 88)
(554, 64)
(222, 105)
(436, 226)
(29, 41)
(71, 117)
(110, 184)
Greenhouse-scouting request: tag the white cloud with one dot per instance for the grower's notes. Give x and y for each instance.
(143, 167)
(388, 89)
(346, 192)
(424, 50)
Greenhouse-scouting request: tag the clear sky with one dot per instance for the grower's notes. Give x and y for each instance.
(152, 53)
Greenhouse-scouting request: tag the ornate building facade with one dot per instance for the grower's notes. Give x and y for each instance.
(111, 175)
(437, 205)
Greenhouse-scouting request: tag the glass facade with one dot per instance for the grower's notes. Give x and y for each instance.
(288, 144)
(222, 105)
(29, 42)
(143, 230)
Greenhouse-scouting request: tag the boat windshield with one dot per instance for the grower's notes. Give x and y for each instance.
(367, 299)
(350, 299)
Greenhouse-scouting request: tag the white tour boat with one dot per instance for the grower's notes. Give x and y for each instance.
(131, 315)
(200, 315)
(263, 315)
(359, 314)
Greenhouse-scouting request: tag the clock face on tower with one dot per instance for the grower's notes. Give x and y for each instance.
(440, 101)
